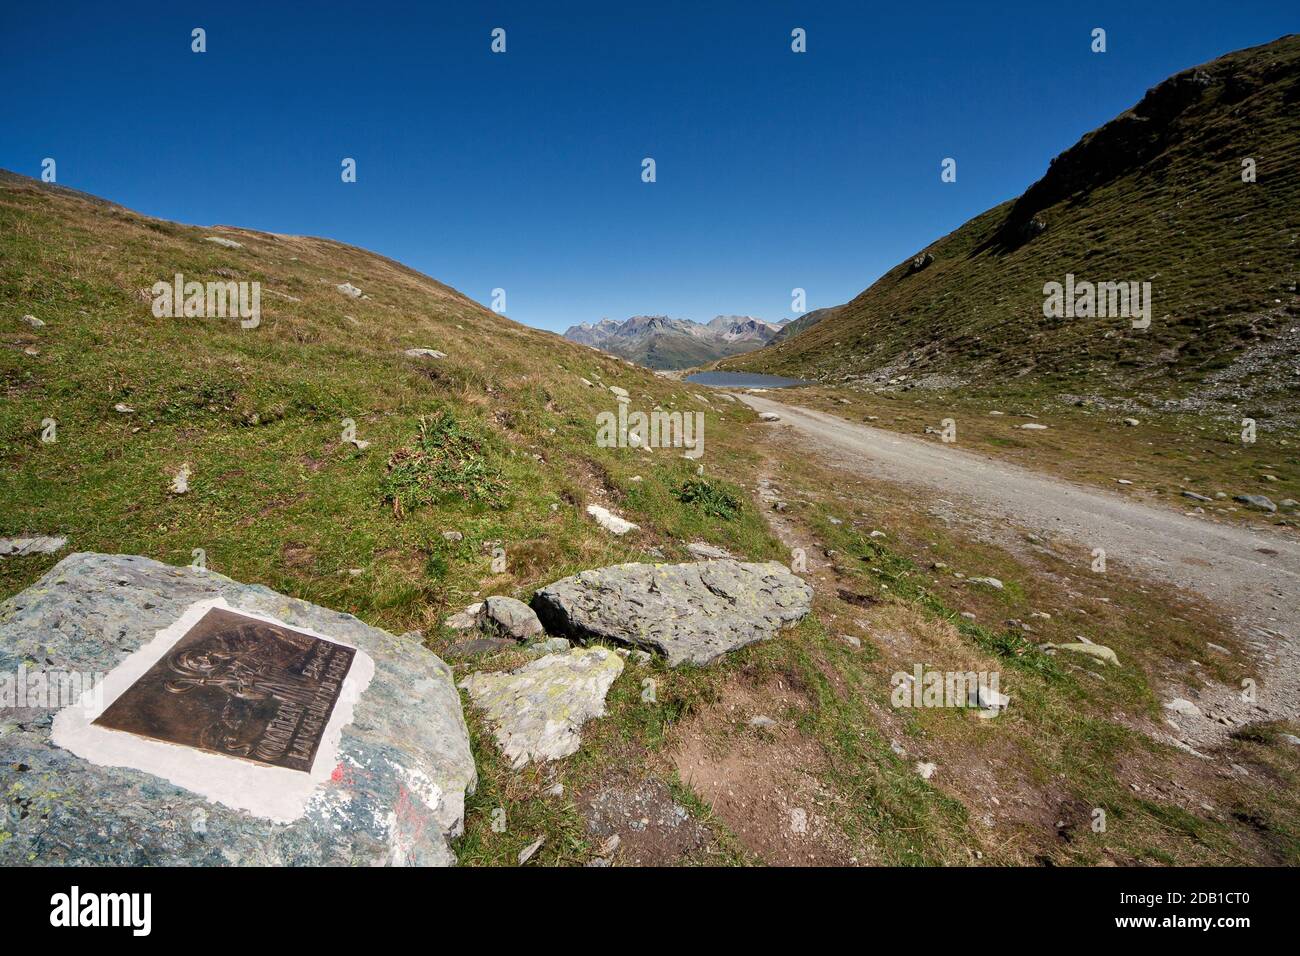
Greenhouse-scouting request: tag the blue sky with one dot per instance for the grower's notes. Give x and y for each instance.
(523, 170)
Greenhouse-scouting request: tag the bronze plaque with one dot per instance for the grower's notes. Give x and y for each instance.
(238, 686)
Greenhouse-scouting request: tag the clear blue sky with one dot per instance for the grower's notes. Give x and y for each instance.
(523, 170)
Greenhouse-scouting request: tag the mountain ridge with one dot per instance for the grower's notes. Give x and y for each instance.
(662, 342)
(1157, 195)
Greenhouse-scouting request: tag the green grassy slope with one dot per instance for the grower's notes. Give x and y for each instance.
(276, 495)
(1155, 195)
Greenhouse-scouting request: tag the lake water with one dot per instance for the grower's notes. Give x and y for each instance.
(743, 380)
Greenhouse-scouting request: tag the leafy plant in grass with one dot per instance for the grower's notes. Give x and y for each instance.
(713, 500)
(446, 462)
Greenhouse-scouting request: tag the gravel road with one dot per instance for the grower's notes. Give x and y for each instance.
(1219, 561)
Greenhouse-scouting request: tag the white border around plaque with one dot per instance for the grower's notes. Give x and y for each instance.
(274, 793)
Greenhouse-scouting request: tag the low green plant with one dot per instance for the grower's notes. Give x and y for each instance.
(713, 500)
(446, 461)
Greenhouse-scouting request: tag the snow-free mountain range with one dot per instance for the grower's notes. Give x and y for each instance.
(660, 342)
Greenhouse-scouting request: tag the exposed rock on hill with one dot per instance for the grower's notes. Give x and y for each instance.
(690, 613)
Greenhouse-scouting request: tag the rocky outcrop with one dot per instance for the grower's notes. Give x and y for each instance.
(691, 613)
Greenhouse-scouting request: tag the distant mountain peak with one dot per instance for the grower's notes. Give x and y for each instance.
(660, 341)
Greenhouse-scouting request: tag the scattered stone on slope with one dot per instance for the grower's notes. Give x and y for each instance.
(509, 618)
(1180, 705)
(424, 353)
(610, 521)
(619, 393)
(768, 417)
(37, 544)
(181, 480)
(527, 852)
(1100, 651)
(33, 321)
(348, 289)
(536, 711)
(222, 241)
(690, 613)
(386, 786)
(1195, 497)
(990, 582)
(1132, 422)
(466, 619)
(704, 551)
(1262, 502)
(1033, 426)
(123, 409)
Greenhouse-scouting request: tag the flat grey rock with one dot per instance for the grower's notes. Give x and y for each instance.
(21, 547)
(396, 795)
(1262, 502)
(690, 613)
(537, 710)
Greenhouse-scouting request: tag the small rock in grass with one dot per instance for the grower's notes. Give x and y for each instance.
(33, 321)
(1261, 502)
(762, 722)
(1099, 651)
(1180, 705)
(527, 853)
(466, 619)
(348, 289)
(39, 544)
(991, 582)
(610, 521)
(222, 241)
(508, 617)
(926, 770)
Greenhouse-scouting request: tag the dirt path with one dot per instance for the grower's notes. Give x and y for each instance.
(1224, 563)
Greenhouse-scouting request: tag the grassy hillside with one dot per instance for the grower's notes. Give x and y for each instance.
(1155, 195)
(276, 495)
